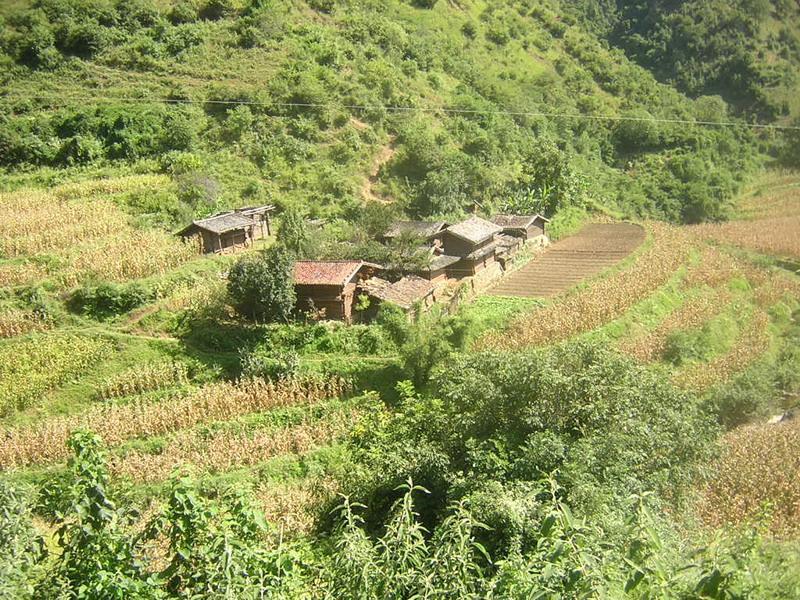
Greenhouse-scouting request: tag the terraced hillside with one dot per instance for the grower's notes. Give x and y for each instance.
(593, 249)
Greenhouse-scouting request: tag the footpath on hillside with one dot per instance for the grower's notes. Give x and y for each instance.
(566, 263)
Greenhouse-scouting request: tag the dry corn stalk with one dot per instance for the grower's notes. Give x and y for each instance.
(226, 450)
(757, 472)
(600, 302)
(749, 346)
(46, 442)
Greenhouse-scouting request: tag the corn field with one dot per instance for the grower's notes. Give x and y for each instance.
(32, 366)
(129, 255)
(111, 186)
(692, 314)
(91, 238)
(756, 476)
(778, 196)
(753, 341)
(715, 268)
(292, 505)
(20, 273)
(18, 322)
(142, 378)
(777, 235)
(227, 450)
(35, 222)
(603, 300)
(46, 441)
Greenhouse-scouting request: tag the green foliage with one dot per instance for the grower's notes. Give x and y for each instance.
(725, 36)
(407, 561)
(98, 558)
(106, 300)
(714, 337)
(261, 285)
(426, 341)
(21, 546)
(293, 233)
(273, 364)
(579, 410)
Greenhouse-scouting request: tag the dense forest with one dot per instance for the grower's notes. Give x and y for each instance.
(171, 428)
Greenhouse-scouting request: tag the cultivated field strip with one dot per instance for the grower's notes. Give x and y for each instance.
(752, 342)
(227, 450)
(758, 467)
(771, 222)
(89, 237)
(592, 250)
(693, 314)
(46, 442)
(602, 300)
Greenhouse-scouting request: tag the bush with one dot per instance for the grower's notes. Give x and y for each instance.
(79, 150)
(218, 9)
(580, 410)
(293, 233)
(108, 300)
(261, 285)
(184, 11)
(83, 38)
(275, 364)
(198, 190)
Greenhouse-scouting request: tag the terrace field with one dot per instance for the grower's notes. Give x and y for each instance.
(612, 420)
(150, 380)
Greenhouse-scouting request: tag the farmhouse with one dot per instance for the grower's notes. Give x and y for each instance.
(330, 286)
(474, 242)
(406, 293)
(227, 231)
(223, 232)
(259, 214)
(526, 227)
(430, 232)
(436, 271)
(507, 246)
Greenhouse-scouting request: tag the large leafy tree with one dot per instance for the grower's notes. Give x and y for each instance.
(261, 285)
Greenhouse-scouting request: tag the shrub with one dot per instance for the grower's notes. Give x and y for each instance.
(79, 150)
(184, 11)
(275, 364)
(293, 233)
(83, 38)
(218, 9)
(261, 285)
(108, 300)
(197, 189)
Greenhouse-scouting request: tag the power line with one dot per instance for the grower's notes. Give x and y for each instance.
(406, 109)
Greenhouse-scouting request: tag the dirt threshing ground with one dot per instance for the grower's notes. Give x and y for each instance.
(568, 262)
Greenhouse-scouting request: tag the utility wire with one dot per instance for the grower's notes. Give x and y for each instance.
(404, 109)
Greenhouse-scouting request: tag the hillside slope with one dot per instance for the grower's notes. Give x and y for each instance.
(293, 102)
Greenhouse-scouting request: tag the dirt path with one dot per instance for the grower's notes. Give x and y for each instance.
(368, 188)
(566, 263)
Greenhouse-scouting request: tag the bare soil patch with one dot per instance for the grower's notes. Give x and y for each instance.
(566, 263)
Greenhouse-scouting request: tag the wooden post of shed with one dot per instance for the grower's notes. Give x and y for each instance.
(269, 233)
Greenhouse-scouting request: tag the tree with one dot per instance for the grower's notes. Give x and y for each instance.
(261, 286)
(293, 233)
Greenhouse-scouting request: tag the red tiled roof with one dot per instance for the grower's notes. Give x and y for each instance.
(321, 272)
